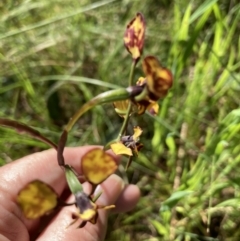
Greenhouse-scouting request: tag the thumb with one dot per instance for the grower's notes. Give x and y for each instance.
(59, 228)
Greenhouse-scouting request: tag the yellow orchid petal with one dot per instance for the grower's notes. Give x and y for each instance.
(119, 149)
(153, 108)
(137, 132)
(121, 107)
(37, 199)
(142, 108)
(87, 208)
(141, 81)
(97, 165)
(106, 207)
(87, 215)
(159, 79)
(134, 36)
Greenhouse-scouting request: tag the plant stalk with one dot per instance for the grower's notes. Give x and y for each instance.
(126, 119)
(21, 128)
(108, 96)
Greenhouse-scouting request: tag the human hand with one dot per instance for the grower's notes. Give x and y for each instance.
(43, 166)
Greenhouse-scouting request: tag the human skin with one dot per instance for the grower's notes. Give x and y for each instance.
(43, 166)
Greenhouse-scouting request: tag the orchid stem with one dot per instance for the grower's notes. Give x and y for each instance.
(125, 122)
(96, 197)
(108, 96)
(131, 75)
(126, 119)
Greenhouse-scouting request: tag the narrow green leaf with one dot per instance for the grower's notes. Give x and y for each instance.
(56, 19)
(174, 199)
(184, 28)
(161, 229)
(202, 9)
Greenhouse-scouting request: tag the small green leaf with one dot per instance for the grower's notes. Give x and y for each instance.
(72, 180)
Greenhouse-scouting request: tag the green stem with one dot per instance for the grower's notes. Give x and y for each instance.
(107, 146)
(142, 95)
(131, 75)
(108, 96)
(211, 193)
(72, 180)
(96, 197)
(125, 122)
(126, 119)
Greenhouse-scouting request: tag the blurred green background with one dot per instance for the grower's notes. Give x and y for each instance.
(55, 55)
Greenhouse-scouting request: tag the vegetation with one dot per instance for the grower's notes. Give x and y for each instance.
(56, 55)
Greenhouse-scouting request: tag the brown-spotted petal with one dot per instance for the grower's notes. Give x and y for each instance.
(36, 199)
(137, 132)
(134, 36)
(153, 108)
(97, 165)
(159, 79)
